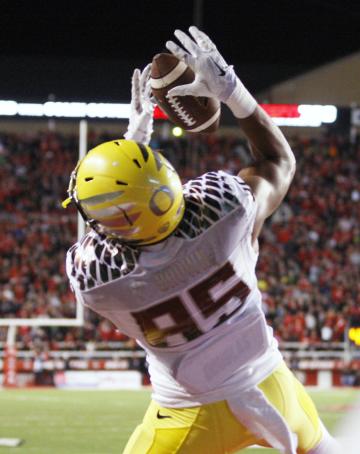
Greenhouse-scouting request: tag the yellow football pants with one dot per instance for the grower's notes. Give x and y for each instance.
(213, 429)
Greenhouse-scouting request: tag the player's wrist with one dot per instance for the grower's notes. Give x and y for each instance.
(241, 102)
(140, 128)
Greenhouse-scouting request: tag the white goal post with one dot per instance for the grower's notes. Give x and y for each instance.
(13, 323)
(44, 321)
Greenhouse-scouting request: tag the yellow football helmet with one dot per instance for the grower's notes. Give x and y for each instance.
(124, 189)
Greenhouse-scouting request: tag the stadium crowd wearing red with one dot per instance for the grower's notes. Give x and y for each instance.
(309, 253)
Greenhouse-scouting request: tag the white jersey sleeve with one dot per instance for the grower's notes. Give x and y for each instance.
(211, 197)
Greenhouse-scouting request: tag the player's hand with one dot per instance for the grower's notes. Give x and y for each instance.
(213, 76)
(142, 107)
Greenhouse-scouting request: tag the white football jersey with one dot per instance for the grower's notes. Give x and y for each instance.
(191, 301)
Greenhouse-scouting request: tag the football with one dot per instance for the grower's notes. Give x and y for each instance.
(191, 113)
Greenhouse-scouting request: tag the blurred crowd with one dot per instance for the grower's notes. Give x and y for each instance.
(310, 249)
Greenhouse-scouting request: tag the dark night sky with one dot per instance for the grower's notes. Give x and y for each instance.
(87, 50)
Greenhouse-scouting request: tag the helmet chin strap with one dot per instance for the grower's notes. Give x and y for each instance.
(73, 199)
(90, 222)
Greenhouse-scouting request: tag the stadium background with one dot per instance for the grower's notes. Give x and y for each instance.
(310, 255)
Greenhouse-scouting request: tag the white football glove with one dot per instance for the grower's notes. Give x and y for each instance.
(142, 107)
(214, 78)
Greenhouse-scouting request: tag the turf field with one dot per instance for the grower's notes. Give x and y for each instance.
(99, 422)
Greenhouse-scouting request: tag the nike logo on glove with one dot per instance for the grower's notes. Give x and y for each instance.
(162, 416)
(221, 70)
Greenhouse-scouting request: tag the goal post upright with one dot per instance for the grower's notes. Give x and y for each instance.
(83, 133)
(83, 139)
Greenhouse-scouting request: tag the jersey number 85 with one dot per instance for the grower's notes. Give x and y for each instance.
(196, 311)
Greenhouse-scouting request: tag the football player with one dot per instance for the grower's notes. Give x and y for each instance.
(174, 267)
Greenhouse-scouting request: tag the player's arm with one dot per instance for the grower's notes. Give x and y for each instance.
(274, 163)
(142, 106)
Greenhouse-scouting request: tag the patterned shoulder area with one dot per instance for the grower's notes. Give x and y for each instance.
(95, 260)
(209, 198)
